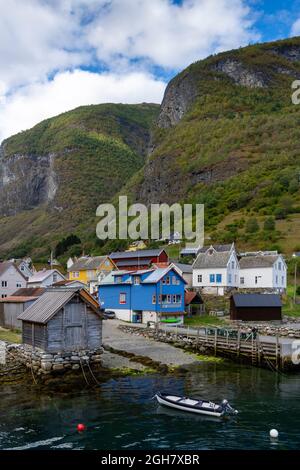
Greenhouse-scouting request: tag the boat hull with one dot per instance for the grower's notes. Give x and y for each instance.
(162, 401)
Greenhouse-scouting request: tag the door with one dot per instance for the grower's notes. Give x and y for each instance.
(74, 337)
(74, 326)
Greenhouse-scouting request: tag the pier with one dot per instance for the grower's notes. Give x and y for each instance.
(274, 352)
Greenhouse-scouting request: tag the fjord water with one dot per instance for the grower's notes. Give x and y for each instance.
(119, 414)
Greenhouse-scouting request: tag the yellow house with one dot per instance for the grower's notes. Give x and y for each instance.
(88, 269)
(137, 245)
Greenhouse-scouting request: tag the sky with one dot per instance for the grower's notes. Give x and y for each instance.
(56, 55)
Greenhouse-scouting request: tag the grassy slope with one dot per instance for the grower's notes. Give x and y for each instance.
(98, 149)
(255, 131)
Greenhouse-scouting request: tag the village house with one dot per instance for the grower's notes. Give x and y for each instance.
(255, 307)
(194, 304)
(12, 306)
(144, 295)
(63, 320)
(11, 279)
(141, 259)
(190, 252)
(137, 245)
(186, 271)
(261, 271)
(45, 278)
(25, 266)
(89, 270)
(216, 270)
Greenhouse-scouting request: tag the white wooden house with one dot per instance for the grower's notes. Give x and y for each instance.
(11, 279)
(216, 270)
(45, 278)
(263, 272)
(25, 266)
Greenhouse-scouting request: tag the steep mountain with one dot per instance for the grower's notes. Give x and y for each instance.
(228, 136)
(53, 177)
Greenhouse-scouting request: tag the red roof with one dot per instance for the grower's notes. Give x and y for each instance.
(17, 299)
(189, 296)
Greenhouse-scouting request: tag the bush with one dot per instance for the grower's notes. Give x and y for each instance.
(269, 224)
(252, 225)
(298, 290)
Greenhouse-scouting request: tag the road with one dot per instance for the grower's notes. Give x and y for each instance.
(140, 346)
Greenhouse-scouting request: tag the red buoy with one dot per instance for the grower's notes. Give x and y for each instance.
(80, 427)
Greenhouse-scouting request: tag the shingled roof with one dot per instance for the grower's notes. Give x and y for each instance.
(212, 260)
(249, 262)
(87, 263)
(7, 264)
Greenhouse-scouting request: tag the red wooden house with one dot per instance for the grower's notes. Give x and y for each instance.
(142, 259)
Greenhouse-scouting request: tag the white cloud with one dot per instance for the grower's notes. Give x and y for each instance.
(42, 39)
(31, 104)
(296, 28)
(169, 35)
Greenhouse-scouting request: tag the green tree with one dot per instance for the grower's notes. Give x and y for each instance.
(252, 225)
(269, 224)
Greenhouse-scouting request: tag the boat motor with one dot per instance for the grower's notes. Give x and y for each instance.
(228, 408)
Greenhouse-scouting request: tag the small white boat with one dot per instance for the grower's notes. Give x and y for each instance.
(192, 405)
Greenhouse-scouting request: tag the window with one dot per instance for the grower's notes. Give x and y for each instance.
(232, 265)
(137, 280)
(75, 274)
(212, 278)
(169, 298)
(229, 278)
(154, 299)
(276, 279)
(242, 281)
(200, 278)
(175, 281)
(118, 279)
(54, 277)
(168, 281)
(174, 299)
(279, 266)
(122, 298)
(4, 283)
(18, 284)
(256, 280)
(3, 296)
(219, 278)
(282, 280)
(22, 268)
(178, 299)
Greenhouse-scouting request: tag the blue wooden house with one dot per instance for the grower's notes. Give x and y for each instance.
(144, 295)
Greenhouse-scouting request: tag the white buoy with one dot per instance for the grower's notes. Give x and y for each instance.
(274, 433)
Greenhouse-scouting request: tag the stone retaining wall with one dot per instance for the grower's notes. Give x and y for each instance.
(43, 363)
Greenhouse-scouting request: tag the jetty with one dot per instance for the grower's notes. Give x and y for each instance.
(275, 352)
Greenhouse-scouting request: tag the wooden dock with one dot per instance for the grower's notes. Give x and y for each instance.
(233, 344)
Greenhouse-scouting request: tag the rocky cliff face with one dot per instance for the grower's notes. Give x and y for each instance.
(26, 181)
(202, 140)
(179, 96)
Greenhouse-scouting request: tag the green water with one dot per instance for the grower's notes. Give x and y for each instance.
(119, 414)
